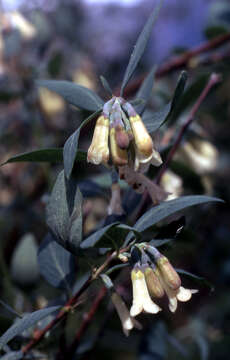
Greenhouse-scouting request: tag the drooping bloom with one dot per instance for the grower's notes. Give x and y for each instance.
(123, 312)
(169, 280)
(98, 151)
(141, 298)
(145, 154)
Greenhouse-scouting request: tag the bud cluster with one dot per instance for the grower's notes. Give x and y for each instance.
(120, 135)
(153, 276)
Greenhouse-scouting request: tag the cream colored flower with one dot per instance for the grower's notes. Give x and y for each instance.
(141, 297)
(181, 294)
(98, 151)
(126, 320)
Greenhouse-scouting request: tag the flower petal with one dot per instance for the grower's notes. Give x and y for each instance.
(185, 294)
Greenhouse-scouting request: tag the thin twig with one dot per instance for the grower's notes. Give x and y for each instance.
(86, 322)
(214, 79)
(181, 61)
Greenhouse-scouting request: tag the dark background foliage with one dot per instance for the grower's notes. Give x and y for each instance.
(78, 41)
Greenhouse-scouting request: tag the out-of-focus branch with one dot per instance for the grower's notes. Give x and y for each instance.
(181, 61)
(213, 80)
(86, 322)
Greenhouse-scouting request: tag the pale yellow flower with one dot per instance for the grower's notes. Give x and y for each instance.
(98, 151)
(141, 297)
(123, 312)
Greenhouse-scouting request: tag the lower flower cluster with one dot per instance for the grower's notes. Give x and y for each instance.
(152, 277)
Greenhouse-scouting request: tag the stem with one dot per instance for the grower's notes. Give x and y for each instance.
(214, 79)
(86, 322)
(178, 62)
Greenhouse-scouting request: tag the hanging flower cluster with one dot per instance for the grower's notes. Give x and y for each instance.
(120, 135)
(152, 277)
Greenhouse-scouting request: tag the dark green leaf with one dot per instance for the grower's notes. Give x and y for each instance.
(94, 239)
(52, 155)
(140, 46)
(74, 94)
(145, 91)
(198, 279)
(26, 322)
(64, 213)
(215, 30)
(154, 120)
(71, 146)
(106, 86)
(56, 264)
(162, 211)
(157, 119)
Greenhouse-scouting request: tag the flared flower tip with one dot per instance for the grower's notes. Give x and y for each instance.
(141, 298)
(185, 294)
(98, 151)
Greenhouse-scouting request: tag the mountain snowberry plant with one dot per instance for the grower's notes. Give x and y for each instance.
(123, 142)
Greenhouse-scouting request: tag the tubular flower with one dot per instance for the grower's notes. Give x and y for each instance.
(145, 154)
(98, 151)
(141, 297)
(126, 320)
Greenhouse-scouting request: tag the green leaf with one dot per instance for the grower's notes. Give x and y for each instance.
(26, 322)
(70, 148)
(162, 211)
(74, 94)
(56, 264)
(64, 213)
(158, 118)
(198, 279)
(215, 30)
(140, 46)
(145, 90)
(9, 308)
(94, 239)
(106, 86)
(52, 155)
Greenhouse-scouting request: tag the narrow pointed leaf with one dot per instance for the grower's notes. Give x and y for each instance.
(56, 264)
(64, 213)
(106, 85)
(155, 120)
(52, 155)
(26, 322)
(145, 91)
(162, 211)
(71, 146)
(140, 46)
(74, 94)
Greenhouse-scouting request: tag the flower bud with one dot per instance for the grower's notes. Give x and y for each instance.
(98, 151)
(122, 138)
(153, 283)
(168, 273)
(119, 156)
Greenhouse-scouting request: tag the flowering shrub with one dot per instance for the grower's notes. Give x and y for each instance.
(123, 143)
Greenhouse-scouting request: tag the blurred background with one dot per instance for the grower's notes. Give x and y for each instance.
(79, 41)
